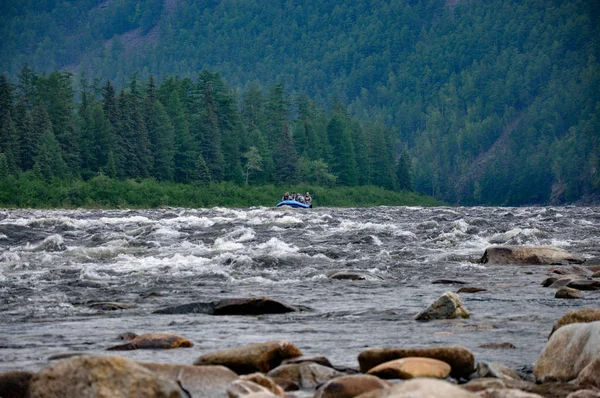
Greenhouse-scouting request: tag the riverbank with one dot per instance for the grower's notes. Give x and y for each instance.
(103, 192)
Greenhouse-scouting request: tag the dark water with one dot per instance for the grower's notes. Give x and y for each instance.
(54, 263)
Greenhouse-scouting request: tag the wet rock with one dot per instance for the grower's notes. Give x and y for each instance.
(564, 281)
(549, 281)
(596, 274)
(102, 377)
(471, 290)
(568, 293)
(198, 381)
(506, 393)
(321, 360)
(570, 349)
(572, 270)
(248, 389)
(584, 394)
(350, 386)
(232, 306)
(497, 370)
(448, 282)
(65, 355)
(529, 255)
(261, 357)
(429, 388)
(459, 358)
(484, 383)
(584, 284)
(53, 243)
(153, 341)
(110, 306)
(547, 390)
(447, 306)
(583, 315)
(305, 374)
(266, 382)
(411, 367)
(15, 384)
(351, 275)
(498, 346)
(590, 375)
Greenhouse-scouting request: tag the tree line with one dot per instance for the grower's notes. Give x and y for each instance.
(188, 131)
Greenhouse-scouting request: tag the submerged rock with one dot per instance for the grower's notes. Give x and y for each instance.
(570, 349)
(460, 359)
(261, 357)
(232, 306)
(411, 367)
(583, 315)
(498, 346)
(198, 381)
(529, 255)
(101, 377)
(447, 282)
(584, 284)
(471, 290)
(350, 386)
(153, 341)
(568, 293)
(305, 374)
(447, 306)
(110, 306)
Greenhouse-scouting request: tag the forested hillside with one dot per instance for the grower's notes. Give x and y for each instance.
(496, 102)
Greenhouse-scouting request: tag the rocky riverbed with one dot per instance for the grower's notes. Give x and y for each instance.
(73, 281)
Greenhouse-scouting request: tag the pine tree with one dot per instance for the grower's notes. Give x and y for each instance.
(24, 126)
(162, 139)
(4, 170)
(404, 177)
(277, 114)
(211, 140)
(343, 163)
(380, 161)
(49, 162)
(286, 157)
(202, 176)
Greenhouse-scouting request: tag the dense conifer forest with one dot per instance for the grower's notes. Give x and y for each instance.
(473, 102)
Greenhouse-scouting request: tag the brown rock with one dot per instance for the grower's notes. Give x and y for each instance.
(100, 377)
(568, 293)
(506, 393)
(547, 390)
(596, 274)
(321, 360)
(570, 349)
(199, 381)
(529, 255)
(581, 271)
(266, 382)
(497, 370)
(15, 384)
(378, 393)
(427, 388)
(549, 281)
(447, 306)
(411, 367)
(584, 284)
(471, 290)
(482, 384)
(305, 374)
(577, 316)
(350, 386)
(248, 389)
(154, 341)
(564, 281)
(498, 346)
(590, 375)
(261, 357)
(459, 358)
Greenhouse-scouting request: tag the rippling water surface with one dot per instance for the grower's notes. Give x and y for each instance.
(53, 264)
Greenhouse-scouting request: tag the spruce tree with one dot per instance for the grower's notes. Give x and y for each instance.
(211, 140)
(286, 157)
(343, 163)
(49, 162)
(162, 139)
(24, 126)
(202, 175)
(404, 179)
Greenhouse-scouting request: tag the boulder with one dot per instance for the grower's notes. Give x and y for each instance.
(484, 383)
(459, 358)
(100, 377)
(506, 393)
(448, 282)
(153, 341)
(109, 306)
(547, 390)
(447, 306)
(248, 389)
(411, 367)
(471, 290)
(266, 382)
(584, 284)
(529, 255)
(573, 270)
(583, 315)
(427, 388)
(350, 386)
(232, 306)
(590, 375)
(549, 281)
(570, 349)
(198, 381)
(321, 360)
(497, 370)
(564, 281)
(350, 275)
(261, 357)
(568, 293)
(15, 384)
(305, 374)
(498, 346)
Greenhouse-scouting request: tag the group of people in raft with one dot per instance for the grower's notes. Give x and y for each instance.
(306, 199)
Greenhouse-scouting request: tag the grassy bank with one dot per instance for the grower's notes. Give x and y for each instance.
(103, 192)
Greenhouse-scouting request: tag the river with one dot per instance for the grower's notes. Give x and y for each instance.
(54, 263)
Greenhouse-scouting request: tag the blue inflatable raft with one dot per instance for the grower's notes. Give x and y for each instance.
(293, 204)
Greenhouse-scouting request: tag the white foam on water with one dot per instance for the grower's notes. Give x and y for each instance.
(288, 220)
(2, 236)
(376, 240)
(276, 229)
(222, 244)
(349, 226)
(191, 221)
(241, 234)
(125, 220)
(165, 232)
(52, 243)
(276, 248)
